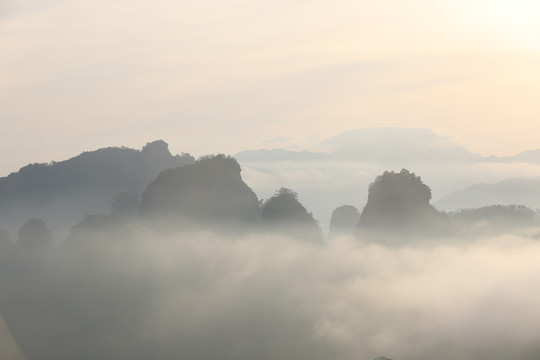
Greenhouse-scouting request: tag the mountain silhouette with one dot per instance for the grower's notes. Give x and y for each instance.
(283, 213)
(211, 191)
(394, 145)
(527, 156)
(525, 191)
(344, 221)
(61, 192)
(380, 145)
(397, 202)
(330, 171)
(276, 155)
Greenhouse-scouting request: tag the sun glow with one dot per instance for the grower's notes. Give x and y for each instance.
(518, 11)
(519, 21)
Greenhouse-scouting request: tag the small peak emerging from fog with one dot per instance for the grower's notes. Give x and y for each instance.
(284, 213)
(344, 221)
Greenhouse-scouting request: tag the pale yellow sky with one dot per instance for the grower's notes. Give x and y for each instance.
(223, 76)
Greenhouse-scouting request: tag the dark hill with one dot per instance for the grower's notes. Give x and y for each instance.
(61, 192)
(344, 221)
(283, 213)
(398, 201)
(210, 191)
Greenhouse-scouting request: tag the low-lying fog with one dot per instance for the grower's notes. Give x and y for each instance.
(203, 296)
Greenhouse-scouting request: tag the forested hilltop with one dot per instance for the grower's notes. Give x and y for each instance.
(62, 192)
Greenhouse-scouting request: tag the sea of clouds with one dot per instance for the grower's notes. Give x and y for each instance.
(199, 295)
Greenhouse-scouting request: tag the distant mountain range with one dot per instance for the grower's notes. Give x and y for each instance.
(385, 145)
(527, 156)
(279, 155)
(379, 145)
(521, 191)
(395, 145)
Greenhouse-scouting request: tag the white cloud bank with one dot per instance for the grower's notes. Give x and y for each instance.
(205, 297)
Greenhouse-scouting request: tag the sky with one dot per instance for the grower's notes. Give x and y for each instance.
(224, 76)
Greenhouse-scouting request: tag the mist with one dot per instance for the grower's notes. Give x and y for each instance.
(198, 267)
(205, 296)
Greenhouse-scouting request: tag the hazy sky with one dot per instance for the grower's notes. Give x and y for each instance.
(223, 76)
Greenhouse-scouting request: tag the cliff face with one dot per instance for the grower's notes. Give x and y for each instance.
(211, 190)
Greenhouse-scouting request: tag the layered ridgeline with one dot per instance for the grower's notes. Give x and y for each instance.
(207, 195)
(107, 187)
(201, 260)
(338, 170)
(62, 192)
(179, 193)
(518, 190)
(210, 195)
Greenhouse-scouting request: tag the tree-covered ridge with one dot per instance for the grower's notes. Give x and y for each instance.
(102, 169)
(62, 192)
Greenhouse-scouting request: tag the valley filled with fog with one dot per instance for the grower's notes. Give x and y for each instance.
(120, 253)
(202, 296)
